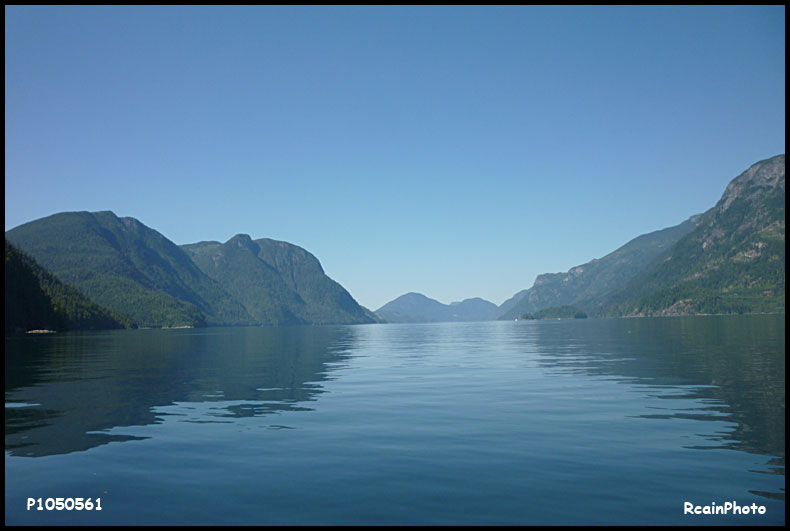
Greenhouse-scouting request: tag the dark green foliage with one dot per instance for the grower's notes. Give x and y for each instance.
(130, 268)
(557, 312)
(127, 267)
(276, 282)
(35, 299)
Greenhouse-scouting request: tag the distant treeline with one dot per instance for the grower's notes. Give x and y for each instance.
(558, 312)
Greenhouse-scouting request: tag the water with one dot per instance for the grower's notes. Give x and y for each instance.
(555, 422)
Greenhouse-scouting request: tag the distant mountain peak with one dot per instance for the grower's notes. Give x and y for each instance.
(241, 237)
(414, 294)
(415, 307)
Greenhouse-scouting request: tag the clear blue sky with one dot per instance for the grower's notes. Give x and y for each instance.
(453, 151)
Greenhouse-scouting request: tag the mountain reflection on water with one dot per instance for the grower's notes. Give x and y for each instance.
(65, 391)
(730, 369)
(68, 392)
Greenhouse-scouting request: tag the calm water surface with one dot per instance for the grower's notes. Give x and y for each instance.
(564, 422)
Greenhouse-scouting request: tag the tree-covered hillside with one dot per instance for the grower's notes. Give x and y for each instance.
(133, 269)
(732, 262)
(597, 278)
(276, 282)
(35, 299)
(127, 267)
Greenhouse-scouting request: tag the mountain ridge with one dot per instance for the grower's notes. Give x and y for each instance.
(132, 269)
(732, 262)
(415, 307)
(729, 259)
(279, 270)
(597, 277)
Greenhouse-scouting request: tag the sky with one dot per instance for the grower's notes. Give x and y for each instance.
(453, 151)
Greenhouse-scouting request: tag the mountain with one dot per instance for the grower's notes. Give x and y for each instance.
(509, 304)
(596, 278)
(35, 299)
(417, 308)
(127, 267)
(134, 270)
(276, 282)
(474, 309)
(732, 262)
